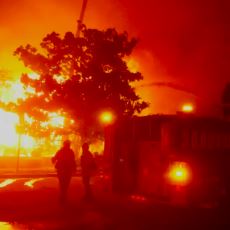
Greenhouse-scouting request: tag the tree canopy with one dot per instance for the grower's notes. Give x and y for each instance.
(80, 76)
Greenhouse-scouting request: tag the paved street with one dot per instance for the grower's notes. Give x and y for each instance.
(29, 203)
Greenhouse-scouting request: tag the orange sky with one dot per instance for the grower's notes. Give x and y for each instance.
(180, 43)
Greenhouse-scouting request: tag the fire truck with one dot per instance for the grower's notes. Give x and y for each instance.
(179, 158)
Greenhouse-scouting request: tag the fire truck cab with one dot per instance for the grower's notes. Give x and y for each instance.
(181, 158)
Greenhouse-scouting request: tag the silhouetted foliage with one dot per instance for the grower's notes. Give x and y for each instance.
(226, 100)
(81, 76)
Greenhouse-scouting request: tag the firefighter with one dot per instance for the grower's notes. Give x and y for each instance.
(65, 164)
(88, 167)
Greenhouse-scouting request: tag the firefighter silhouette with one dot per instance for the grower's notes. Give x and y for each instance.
(64, 161)
(88, 167)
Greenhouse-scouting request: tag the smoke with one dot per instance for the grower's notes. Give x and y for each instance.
(169, 85)
(187, 42)
(190, 41)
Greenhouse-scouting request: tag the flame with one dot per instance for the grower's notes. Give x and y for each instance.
(8, 134)
(60, 79)
(28, 119)
(27, 142)
(133, 65)
(97, 147)
(7, 182)
(8, 122)
(12, 92)
(9, 138)
(31, 182)
(56, 120)
(34, 76)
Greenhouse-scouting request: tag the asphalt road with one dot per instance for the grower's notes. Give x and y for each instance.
(28, 203)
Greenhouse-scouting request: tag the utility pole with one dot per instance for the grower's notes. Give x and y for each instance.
(80, 20)
(79, 27)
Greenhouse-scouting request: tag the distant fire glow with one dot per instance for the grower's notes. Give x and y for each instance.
(9, 136)
(133, 65)
(60, 79)
(11, 91)
(56, 120)
(187, 108)
(179, 173)
(97, 147)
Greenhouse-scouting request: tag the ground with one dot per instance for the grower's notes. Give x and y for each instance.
(36, 207)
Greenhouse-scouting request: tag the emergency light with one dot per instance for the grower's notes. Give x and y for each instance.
(179, 173)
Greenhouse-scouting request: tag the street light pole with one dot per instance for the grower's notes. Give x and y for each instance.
(107, 119)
